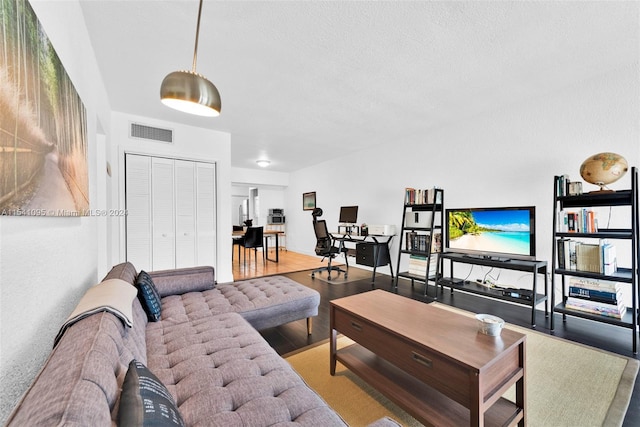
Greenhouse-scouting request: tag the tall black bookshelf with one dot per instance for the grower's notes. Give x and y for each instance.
(420, 240)
(626, 276)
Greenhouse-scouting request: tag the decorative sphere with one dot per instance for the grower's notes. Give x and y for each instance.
(603, 168)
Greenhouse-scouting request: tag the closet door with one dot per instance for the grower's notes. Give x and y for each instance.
(171, 221)
(185, 173)
(163, 214)
(138, 205)
(205, 213)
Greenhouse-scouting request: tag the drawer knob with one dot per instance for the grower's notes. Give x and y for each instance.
(421, 359)
(356, 326)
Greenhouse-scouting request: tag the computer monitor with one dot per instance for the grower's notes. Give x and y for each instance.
(348, 215)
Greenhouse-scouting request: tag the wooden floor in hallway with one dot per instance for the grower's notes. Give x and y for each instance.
(288, 262)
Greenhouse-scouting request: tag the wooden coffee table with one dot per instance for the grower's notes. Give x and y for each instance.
(430, 361)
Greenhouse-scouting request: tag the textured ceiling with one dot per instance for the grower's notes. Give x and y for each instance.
(304, 82)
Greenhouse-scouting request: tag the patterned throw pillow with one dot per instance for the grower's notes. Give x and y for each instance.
(145, 401)
(148, 296)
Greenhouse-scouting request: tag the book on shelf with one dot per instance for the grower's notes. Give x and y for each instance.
(615, 310)
(589, 257)
(418, 265)
(562, 251)
(594, 284)
(577, 221)
(415, 196)
(573, 256)
(562, 188)
(420, 242)
(609, 259)
(609, 297)
(566, 187)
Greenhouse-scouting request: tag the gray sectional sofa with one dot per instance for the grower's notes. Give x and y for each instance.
(205, 352)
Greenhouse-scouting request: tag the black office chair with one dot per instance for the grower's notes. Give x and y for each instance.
(325, 247)
(254, 239)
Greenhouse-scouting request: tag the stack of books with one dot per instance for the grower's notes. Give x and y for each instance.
(595, 297)
(579, 256)
(418, 265)
(421, 197)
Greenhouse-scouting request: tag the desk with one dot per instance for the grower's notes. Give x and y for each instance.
(379, 245)
(265, 234)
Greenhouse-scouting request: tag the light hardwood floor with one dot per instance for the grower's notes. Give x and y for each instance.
(288, 262)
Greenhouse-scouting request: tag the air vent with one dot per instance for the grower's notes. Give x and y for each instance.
(149, 132)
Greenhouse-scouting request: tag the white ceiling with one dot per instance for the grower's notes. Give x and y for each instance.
(307, 81)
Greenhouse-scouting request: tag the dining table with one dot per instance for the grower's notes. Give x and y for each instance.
(266, 235)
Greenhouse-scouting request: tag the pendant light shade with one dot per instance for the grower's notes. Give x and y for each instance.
(189, 91)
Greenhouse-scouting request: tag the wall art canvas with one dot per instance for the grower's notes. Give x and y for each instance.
(43, 126)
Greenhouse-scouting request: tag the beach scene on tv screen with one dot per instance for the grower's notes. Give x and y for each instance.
(503, 231)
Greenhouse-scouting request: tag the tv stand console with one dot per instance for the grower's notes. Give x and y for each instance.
(532, 298)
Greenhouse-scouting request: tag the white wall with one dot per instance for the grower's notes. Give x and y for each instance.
(190, 143)
(46, 263)
(271, 189)
(504, 157)
(263, 177)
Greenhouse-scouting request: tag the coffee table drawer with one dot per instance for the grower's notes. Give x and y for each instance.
(446, 376)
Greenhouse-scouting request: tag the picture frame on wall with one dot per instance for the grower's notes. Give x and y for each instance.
(44, 169)
(309, 201)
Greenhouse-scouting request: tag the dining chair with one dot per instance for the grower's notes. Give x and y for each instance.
(237, 241)
(254, 239)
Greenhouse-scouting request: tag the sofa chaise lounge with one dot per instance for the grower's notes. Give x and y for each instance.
(204, 349)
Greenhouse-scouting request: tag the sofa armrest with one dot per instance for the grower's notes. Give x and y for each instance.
(182, 280)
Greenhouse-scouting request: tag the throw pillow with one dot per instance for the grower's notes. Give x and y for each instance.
(145, 401)
(148, 295)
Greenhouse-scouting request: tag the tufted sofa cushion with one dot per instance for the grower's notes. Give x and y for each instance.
(264, 302)
(223, 373)
(182, 280)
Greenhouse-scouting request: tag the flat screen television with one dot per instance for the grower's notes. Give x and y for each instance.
(501, 233)
(348, 215)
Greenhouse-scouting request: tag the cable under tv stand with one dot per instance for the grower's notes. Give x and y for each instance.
(531, 266)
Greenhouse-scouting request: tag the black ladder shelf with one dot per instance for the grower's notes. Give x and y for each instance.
(417, 237)
(625, 276)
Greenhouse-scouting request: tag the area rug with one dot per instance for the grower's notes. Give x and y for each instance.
(568, 384)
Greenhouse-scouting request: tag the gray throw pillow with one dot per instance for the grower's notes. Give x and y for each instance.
(145, 401)
(149, 296)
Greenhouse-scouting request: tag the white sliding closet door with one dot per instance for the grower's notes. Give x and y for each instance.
(163, 247)
(185, 213)
(138, 221)
(205, 213)
(171, 219)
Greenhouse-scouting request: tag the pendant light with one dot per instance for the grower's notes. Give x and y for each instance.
(189, 91)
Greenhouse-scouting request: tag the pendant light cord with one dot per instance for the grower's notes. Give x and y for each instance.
(195, 50)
